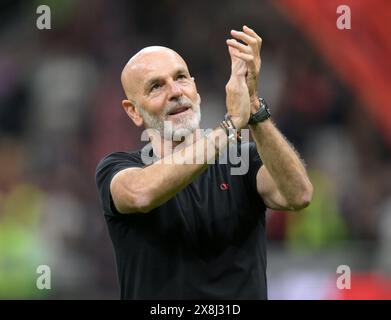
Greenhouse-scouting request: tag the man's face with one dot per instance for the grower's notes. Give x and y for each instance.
(166, 92)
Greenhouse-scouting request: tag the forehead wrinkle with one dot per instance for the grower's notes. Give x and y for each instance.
(155, 77)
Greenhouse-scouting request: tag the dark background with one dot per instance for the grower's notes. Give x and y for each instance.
(60, 113)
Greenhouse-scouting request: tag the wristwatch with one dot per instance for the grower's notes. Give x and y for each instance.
(262, 114)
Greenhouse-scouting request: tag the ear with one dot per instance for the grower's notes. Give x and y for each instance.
(132, 112)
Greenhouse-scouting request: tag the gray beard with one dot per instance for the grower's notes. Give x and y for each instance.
(183, 127)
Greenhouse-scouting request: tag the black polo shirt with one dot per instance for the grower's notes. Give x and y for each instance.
(207, 242)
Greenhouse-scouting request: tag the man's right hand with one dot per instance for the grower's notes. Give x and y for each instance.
(238, 99)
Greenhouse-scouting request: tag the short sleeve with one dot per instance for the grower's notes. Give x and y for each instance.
(106, 170)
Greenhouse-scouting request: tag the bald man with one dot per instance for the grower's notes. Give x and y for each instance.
(182, 226)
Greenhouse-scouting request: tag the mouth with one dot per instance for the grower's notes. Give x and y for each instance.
(178, 111)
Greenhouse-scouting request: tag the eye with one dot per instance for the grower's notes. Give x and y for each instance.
(181, 76)
(155, 87)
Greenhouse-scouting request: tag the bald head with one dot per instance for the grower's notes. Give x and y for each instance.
(144, 63)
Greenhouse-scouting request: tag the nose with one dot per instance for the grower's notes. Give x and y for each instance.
(175, 90)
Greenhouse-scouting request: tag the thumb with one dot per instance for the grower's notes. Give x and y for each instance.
(234, 58)
(238, 66)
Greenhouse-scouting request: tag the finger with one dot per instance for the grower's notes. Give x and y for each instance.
(241, 47)
(252, 33)
(232, 53)
(247, 39)
(244, 56)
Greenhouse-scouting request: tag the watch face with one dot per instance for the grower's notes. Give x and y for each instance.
(265, 105)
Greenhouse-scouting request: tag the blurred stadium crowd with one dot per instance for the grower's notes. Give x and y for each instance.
(60, 113)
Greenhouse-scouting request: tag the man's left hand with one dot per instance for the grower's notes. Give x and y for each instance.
(249, 51)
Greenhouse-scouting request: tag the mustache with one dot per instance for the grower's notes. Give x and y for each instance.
(181, 102)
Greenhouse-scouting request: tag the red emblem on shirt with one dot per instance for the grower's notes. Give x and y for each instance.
(224, 186)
